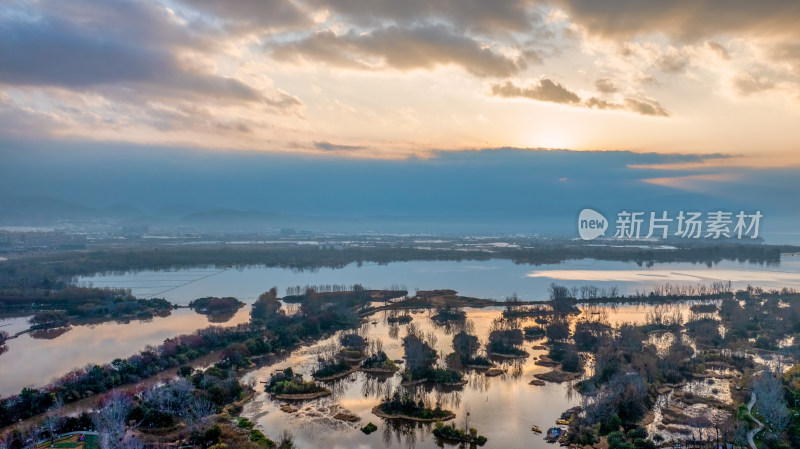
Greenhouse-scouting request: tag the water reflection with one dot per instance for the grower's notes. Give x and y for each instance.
(49, 334)
(377, 385)
(41, 356)
(494, 279)
(503, 408)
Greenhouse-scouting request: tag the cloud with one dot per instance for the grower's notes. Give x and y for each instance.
(419, 47)
(480, 16)
(22, 122)
(327, 146)
(645, 107)
(695, 183)
(251, 15)
(746, 84)
(550, 91)
(673, 61)
(686, 20)
(543, 90)
(125, 51)
(605, 85)
(103, 49)
(719, 49)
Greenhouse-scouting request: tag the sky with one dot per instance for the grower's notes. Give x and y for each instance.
(698, 96)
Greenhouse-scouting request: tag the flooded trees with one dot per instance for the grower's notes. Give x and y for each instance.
(505, 337)
(419, 351)
(421, 358)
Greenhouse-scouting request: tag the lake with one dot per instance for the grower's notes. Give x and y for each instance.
(43, 359)
(502, 408)
(493, 279)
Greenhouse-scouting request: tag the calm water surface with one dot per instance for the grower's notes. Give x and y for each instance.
(502, 408)
(495, 279)
(31, 361)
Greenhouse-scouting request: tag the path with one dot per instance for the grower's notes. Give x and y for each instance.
(753, 432)
(81, 432)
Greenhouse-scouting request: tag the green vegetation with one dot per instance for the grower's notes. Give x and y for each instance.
(533, 332)
(245, 423)
(331, 367)
(567, 355)
(465, 347)
(401, 319)
(46, 279)
(635, 439)
(421, 357)
(449, 314)
(257, 437)
(449, 432)
(505, 338)
(270, 330)
(378, 360)
(405, 406)
(369, 428)
(106, 305)
(287, 383)
(212, 305)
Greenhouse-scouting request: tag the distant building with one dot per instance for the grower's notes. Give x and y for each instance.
(40, 240)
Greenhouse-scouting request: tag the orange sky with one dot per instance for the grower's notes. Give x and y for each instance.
(387, 79)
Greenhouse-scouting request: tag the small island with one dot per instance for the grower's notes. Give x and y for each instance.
(289, 386)
(505, 340)
(421, 358)
(400, 319)
(212, 305)
(378, 362)
(448, 314)
(404, 407)
(464, 355)
(449, 433)
(369, 428)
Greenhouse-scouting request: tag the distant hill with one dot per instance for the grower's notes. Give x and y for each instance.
(41, 210)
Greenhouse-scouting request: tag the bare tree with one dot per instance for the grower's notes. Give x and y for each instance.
(132, 443)
(110, 420)
(771, 403)
(33, 437)
(195, 410)
(466, 420)
(50, 423)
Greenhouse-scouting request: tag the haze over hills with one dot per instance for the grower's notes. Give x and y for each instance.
(498, 190)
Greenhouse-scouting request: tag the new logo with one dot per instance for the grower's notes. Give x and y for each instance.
(591, 224)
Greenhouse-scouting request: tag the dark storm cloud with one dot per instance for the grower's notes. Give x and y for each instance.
(419, 47)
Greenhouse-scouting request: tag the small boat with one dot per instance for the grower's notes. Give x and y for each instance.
(562, 422)
(536, 429)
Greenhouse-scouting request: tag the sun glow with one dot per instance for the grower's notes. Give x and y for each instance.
(557, 137)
